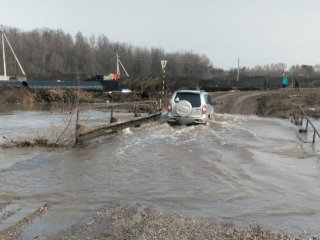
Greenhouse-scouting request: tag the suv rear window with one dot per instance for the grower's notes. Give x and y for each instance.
(193, 98)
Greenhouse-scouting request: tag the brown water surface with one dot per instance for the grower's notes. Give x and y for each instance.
(243, 169)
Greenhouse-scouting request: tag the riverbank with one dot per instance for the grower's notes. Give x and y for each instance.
(134, 224)
(272, 103)
(22, 95)
(119, 222)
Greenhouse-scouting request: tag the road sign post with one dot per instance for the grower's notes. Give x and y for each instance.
(163, 66)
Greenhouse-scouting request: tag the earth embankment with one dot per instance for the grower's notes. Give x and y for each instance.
(272, 103)
(17, 95)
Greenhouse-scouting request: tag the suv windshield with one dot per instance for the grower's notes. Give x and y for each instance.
(193, 98)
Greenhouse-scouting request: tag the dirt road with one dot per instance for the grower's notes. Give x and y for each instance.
(274, 103)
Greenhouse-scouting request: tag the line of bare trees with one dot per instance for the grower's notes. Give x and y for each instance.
(272, 70)
(54, 54)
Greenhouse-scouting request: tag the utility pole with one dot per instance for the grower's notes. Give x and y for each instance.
(238, 70)
(118, 68)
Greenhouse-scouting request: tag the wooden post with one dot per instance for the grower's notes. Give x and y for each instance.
(149, 108)
(77, 125)
(135, 110)
(314, 136)
(307, 125)
(301, 119)
(111, 115)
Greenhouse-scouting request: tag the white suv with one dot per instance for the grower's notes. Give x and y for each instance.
(190, 107)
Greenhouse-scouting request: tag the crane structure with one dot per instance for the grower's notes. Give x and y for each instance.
(119, 63)
(4, 39)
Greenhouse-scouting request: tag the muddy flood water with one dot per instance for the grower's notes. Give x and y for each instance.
(240, 169)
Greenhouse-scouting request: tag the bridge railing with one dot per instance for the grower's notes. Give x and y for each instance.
(299, 119)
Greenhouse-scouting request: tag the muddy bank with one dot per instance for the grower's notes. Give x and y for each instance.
(273, 103)
(22, 95)
(131, 223)
(17, 95)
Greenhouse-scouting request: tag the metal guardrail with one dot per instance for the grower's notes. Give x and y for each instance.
(300, 122)
(112, 127)
(114, 105)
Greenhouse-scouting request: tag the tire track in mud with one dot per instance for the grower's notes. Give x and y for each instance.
(238, 103)
(15, 230)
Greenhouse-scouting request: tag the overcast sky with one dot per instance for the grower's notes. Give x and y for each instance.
(258, 31)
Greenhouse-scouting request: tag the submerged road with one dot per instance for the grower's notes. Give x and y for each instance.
(243, 169)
